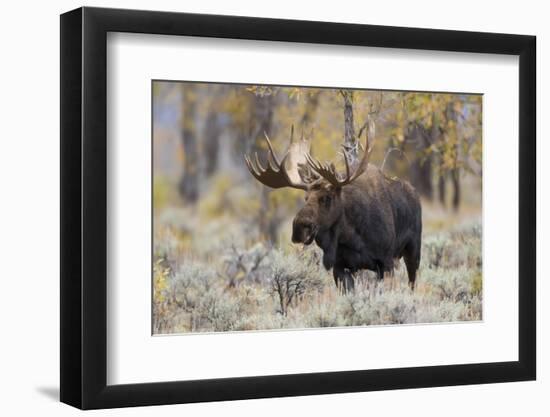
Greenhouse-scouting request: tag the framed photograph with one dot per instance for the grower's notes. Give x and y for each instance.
(257, 208)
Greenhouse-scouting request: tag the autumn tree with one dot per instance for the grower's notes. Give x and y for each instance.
(434, 126)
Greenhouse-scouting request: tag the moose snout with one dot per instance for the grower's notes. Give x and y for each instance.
(303, 231)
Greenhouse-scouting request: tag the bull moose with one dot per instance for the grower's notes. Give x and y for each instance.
(361, 219)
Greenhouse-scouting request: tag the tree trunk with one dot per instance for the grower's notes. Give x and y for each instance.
(441, 186)
(442, 182)
(421, 165)
(455, 172)
(189, 182)
(264, 121)
(421, 177)
(211, 144)
(350, 141)
(455, 176)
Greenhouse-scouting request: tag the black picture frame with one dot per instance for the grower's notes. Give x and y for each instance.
(84, 207)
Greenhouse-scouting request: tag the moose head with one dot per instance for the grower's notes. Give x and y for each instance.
(321, 182)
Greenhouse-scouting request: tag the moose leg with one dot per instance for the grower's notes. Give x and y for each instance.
(411, 272)
(349, 282)
(379, 271)
(335, 274)
(343, 279)
(412, 261)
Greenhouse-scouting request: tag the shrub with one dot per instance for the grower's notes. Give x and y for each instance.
(292, 277)
(244, 265)
(160, 291)
(324, 315)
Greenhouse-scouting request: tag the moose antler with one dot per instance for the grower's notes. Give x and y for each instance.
(276, 174)
(328, 170)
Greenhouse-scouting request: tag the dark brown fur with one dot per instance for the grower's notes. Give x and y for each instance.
(363, 225)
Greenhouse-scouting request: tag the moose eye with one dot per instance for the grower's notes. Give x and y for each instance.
(325, 201)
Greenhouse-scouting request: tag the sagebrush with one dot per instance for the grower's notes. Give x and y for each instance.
(257, 287)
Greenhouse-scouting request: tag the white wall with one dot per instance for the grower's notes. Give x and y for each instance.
(29, 172)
